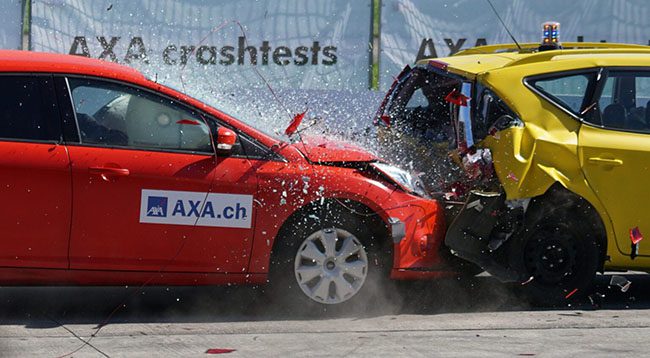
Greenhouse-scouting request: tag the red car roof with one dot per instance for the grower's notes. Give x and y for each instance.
(21, 61)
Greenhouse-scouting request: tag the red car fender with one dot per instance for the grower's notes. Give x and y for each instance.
(286, 188)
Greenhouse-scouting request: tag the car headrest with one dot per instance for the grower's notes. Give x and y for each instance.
(154, 124)
(144, 127)
(614, 116)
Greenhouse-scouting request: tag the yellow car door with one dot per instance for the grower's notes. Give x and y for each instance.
(614, 151)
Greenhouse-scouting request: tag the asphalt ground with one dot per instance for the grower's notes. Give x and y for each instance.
(448, 318)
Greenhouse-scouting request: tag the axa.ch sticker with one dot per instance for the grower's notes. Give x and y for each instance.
(196, 208)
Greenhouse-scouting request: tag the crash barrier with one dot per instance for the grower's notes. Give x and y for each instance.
(220, 50)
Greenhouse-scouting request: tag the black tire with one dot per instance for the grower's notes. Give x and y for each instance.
(560, 251)
(284, 290)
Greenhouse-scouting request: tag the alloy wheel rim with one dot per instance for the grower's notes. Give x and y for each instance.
(331, 266)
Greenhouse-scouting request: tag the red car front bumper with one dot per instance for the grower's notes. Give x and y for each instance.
(418, 229)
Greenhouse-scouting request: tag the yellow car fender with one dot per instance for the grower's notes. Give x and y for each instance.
(527, 163)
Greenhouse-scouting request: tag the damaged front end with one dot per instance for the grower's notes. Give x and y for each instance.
(485, 223)
(434, 116)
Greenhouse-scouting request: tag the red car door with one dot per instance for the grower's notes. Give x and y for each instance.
(35, 182)
(148, 192)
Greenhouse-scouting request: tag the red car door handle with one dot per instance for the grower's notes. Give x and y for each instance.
(106, 172)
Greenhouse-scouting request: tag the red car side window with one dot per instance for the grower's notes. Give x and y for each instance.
(26, 111)
(115, 115)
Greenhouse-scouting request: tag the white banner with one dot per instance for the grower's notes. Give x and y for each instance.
(307, 50)
(437, 28)
(293, 43)
(11, 25)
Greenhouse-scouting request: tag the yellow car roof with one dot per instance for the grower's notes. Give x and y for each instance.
(481, 59)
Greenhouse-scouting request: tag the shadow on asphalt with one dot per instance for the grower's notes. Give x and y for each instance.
(46, 307)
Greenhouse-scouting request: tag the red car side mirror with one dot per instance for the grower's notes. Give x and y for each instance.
(226, 139)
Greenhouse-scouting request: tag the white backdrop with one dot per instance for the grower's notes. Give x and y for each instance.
(295, 43)
(407, 24)
(11, 25)
(317, 53)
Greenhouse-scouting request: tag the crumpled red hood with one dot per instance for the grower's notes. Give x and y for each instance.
(324, 150)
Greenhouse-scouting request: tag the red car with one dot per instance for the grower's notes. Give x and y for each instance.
(108, 178)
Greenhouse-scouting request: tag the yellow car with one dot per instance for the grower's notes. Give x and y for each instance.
(553, 146)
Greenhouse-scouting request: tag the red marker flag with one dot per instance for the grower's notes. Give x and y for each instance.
(571, 293)
(295, 123)
(457, 98)
(188, 121)
(635, 235)
(385, 119)
(219, 350)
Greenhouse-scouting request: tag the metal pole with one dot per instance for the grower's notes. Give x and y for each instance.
(375, 43)
(27, 24)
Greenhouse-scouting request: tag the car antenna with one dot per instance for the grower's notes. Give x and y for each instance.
(504, 25)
